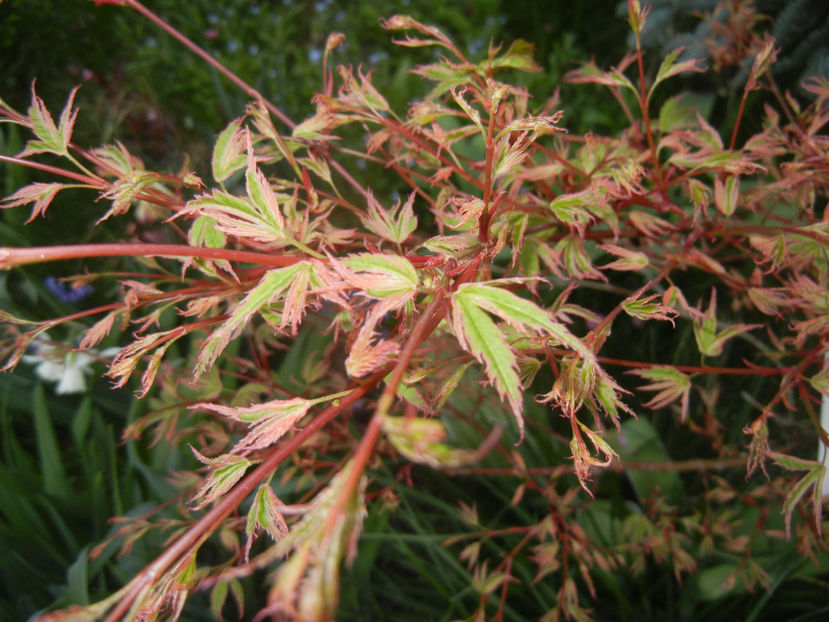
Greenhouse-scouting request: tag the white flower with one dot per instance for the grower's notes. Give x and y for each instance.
(66, 367)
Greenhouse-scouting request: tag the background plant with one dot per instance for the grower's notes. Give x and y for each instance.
(507, 239)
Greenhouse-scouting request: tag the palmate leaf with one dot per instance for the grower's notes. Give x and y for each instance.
(709, 341)
(292, 282)
(52, 139)
(41, 194)
(669, 383)
(269, 421)
(815, 472)
(670, 67)
(394, 224)
(478, 334)
(229, 152)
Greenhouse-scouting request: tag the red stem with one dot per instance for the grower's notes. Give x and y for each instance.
(11, 257)
(428, 321)
(56, 170)
(212, 519)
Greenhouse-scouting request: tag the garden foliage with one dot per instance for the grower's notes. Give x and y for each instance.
(521, 307)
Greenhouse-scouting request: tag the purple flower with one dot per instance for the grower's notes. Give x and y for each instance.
(71, 294)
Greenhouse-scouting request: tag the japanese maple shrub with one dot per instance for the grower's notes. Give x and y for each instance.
(488, 308)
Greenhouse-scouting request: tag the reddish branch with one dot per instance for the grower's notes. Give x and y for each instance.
(207, 524)
(13, 257)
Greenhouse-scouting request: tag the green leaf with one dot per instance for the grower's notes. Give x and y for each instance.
(447, 75)
(519, 55)
(264, 513)
(479, 336)
(675, 115)
(386, 275)
(520, 313)
(52, 139)
(645, 309)
(124, 190)
(269, 289)
(55, 481)
(815, 472)
(225, 472)
(421, 440)
(726, 194)
(709, 341)
(670, 67)
(228, 152)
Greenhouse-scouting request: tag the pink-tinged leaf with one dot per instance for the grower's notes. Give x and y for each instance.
(700, 195)
(637, 15)
(726, 194)
(628, 259)
(509, 154)
(306, 584)
(229, 151)
(292, 280)
(237, 216)
(404, 22)
(368, 354)
(670, 384)
(260, 192)
(583, 460)
(96, 333)
(225, 472)
(268, 421)
(815, 472)
(395, 224)
(521, 313)
(646, 309)
(124, 190)
(541, 123)
(52, 139)
(154, 344)
(590, 73)
(575, 258)
(606, 395)
(650, 225)
(485, 582)
(765, 58)
(447, 75)
(264, 513)
(670, 67)
(67, 118)
(472, 114)
(362, 96)
(115, 160)
(768, 300)
(41, 194)
(381, 276)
